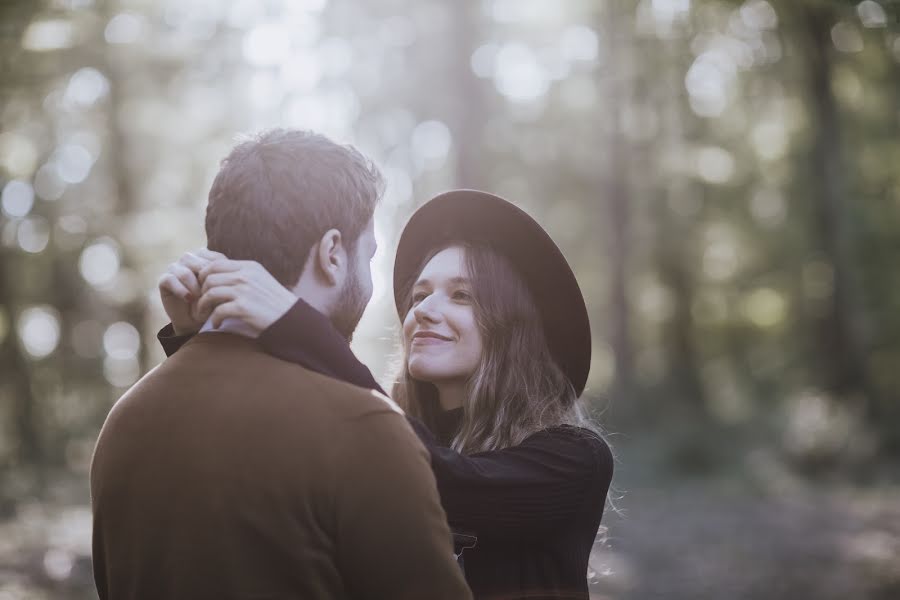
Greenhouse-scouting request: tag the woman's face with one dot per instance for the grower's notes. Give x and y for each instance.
(442, 340)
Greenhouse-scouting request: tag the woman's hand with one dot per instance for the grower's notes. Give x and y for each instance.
(242, 289)
(179, 288)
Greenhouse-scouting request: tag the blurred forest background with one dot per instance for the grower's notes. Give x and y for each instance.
(722, 174)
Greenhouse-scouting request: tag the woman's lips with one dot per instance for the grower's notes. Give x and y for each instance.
(428, 341)
(428, 338)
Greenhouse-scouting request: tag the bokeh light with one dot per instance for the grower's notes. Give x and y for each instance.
(579, 43)
(765, 307)
(430, 144)
(121, 340)
(708, 83)
(99, 262)
(759, 14)
(39, 330)
(17, 198)
(125, 28)
(74, 162)
(86, 86)
(871, 14)
(58, 563)
(33, 234)
(48, 184)
(18, 154)
(715, 164)
(121, 372)
(518, 75)
(50, 34)
(668, 12)
(846, 37)
(483, 59)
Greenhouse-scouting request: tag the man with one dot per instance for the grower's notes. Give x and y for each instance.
(228, 473)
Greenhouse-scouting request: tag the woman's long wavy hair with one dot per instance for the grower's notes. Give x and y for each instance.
(517, 388)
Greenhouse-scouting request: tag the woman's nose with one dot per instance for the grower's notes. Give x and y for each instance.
(426, 310)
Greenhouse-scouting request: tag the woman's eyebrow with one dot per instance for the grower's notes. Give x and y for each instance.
(452, 281)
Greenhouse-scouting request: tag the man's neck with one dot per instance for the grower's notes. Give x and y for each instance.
(311, 292)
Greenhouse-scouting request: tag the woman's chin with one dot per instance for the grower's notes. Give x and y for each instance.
(421, 373)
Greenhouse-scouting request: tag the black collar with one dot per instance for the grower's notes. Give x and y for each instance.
(306, 337)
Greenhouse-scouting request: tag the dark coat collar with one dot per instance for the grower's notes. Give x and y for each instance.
(306, 337)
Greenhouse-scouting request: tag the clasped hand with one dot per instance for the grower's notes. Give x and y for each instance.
(206, 285)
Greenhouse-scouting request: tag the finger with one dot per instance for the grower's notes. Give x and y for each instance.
(208, 254)
(169, 284)
(228, 310)
(231, 279)
(222, 265)
(186, 277)
(201, 315)
(213, 298)
(192, 261)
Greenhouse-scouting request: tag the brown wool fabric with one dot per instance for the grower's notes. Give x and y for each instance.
(228, 473)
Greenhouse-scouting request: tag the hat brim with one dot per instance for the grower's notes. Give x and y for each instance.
(480, 217)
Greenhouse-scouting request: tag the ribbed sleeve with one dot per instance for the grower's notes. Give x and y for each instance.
(523, 491)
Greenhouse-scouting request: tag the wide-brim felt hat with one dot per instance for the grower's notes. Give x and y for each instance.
(480, 217)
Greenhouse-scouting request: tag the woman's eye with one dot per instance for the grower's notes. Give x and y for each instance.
(462, 295)
(418, 297)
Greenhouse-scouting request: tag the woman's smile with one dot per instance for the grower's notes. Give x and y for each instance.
(429, 338)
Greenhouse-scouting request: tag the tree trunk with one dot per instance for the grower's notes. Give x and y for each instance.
(837, 331)
(616, 207)
(468, 112)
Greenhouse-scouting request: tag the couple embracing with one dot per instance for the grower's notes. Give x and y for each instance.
(261, 460)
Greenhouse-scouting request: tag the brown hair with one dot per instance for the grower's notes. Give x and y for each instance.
(278, 192)
(517, 388)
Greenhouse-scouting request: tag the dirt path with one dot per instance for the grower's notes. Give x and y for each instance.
(703, 542)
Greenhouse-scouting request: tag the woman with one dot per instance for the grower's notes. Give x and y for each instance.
(497, 349)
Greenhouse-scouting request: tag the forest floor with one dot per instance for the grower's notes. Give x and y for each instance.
(704, 541)
(700, 539)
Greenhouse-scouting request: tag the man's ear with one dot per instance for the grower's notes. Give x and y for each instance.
(329, 256)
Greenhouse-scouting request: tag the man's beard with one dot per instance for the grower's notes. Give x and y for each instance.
(350, 307)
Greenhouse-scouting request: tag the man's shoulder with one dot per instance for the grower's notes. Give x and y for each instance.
(236, 356)
(351, 401)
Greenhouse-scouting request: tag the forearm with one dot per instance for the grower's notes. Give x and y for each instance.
(523, 491)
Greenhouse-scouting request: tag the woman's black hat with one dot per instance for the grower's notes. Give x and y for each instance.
(474, 216)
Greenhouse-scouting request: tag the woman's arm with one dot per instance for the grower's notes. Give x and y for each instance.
(526, 490)
(288, 328)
